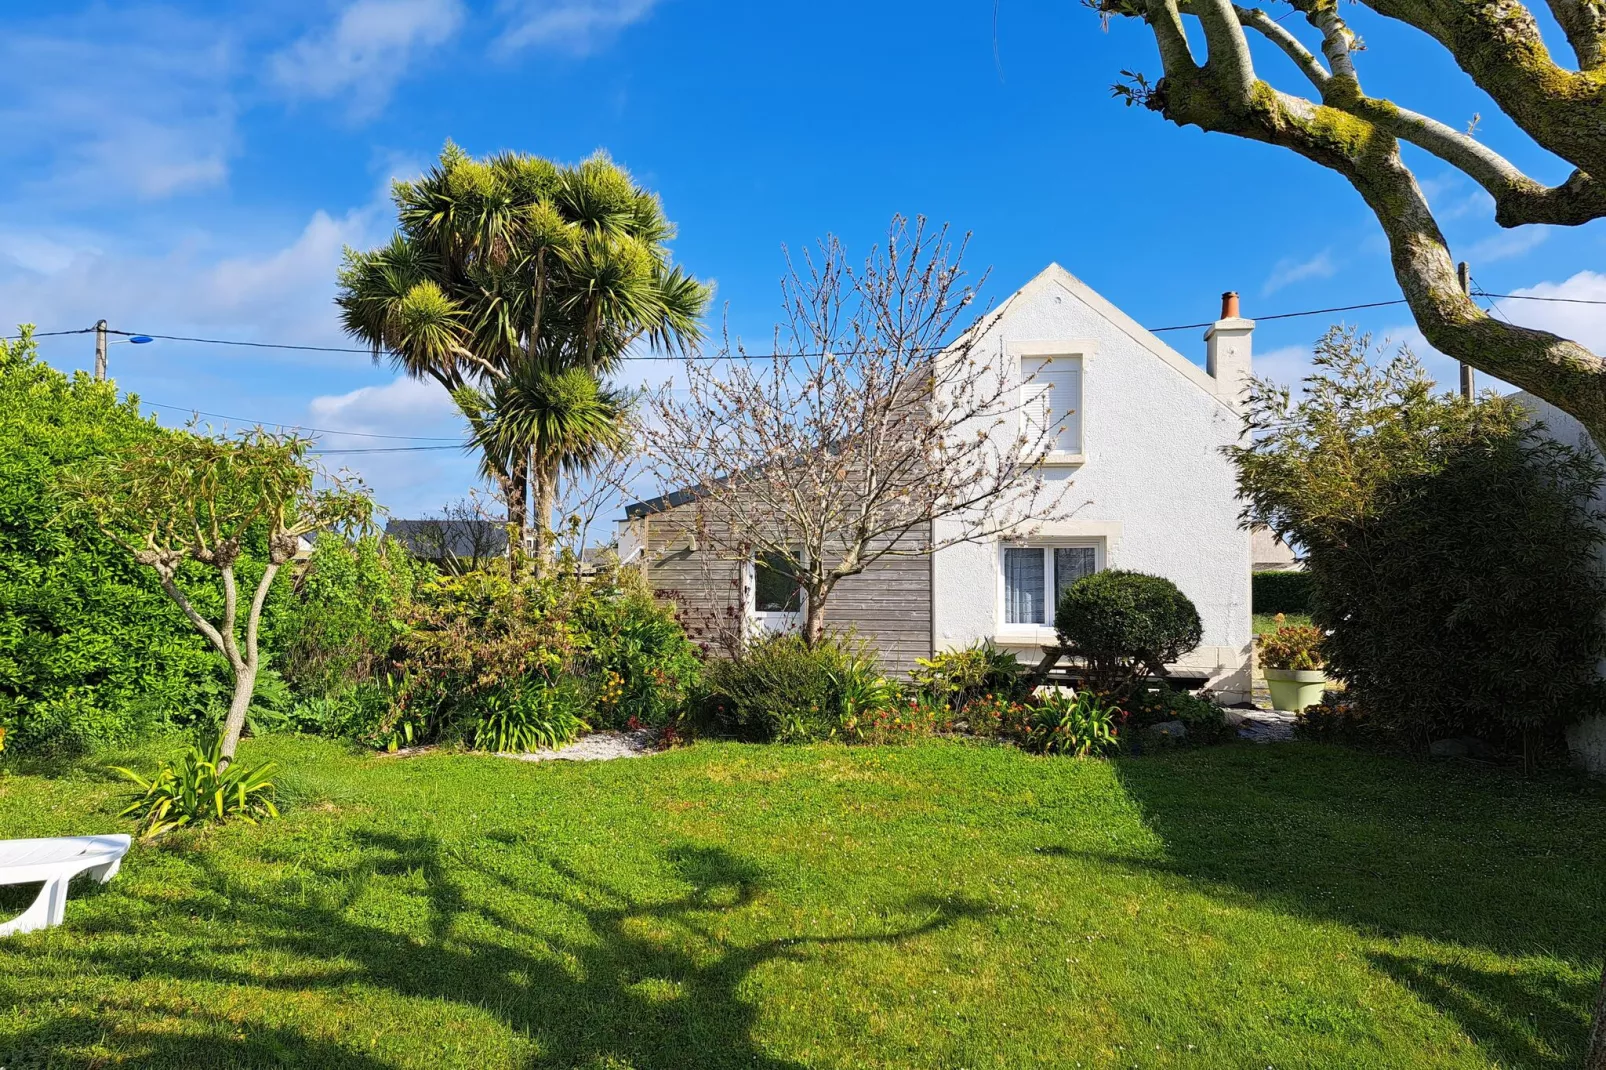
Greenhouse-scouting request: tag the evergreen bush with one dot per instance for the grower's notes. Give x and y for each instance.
(1451, 547)
(1125, 624)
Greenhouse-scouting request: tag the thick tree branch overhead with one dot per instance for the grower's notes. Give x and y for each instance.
(1498, 44)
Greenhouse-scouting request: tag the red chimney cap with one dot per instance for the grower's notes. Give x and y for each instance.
(1229, 305)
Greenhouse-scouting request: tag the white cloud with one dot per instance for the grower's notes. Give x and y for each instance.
(1290, 270)
(367, 50)
(397, 408)
(1286, 365)
(1507, 244)
(281, 293)
(575, 26)
(138, 105)
(1585, 324)
(411, 478)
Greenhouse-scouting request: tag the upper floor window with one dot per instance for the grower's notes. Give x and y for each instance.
(1051, 401)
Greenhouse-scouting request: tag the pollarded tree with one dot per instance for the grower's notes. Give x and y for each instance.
(1340, 127)
(187, 497)
(876, 418)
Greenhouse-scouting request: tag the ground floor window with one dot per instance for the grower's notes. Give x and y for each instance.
(1034, 576)
(775, 597)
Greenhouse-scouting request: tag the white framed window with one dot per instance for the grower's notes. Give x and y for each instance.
(775, 597)
(1051, 401)
(1034, 576)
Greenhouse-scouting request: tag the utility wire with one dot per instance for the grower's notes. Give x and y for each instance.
(1476, 292)
(302, 427)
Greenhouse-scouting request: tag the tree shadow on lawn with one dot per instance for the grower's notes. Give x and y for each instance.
(1480, 858)
(640, 983)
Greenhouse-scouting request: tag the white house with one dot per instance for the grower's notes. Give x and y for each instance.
(1151, 488)
(1587, 738)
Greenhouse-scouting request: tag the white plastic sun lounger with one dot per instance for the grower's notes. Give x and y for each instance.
(56, 862)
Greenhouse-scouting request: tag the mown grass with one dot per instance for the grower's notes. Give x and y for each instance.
(940, 905)
(1267, 622)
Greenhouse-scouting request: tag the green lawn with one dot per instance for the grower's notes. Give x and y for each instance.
(941, 905)
(1267, 622)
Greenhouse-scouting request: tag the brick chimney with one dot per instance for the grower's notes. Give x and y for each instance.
(1227, 350)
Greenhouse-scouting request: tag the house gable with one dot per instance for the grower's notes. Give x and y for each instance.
(1054, 279)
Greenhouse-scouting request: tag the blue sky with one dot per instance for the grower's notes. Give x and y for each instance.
(188, 170)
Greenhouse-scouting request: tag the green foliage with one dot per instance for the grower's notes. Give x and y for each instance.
(91, 651)
(636, 654)
(195, 790)
(1124, 624)
(1205, 721)
(1335, 719)
(349, 609)
(1451, 548)
(1292, 646)
(1083, 725)
(780, 688)
(1280, 592)
(956, 678)
(530, 718)
(480, 641)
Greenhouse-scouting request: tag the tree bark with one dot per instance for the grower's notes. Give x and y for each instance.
(244, 663)
(814, 619)
(1595, 1048)
(517, 492)
(546, 492)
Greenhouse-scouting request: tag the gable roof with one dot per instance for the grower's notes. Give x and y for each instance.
(1056, 276)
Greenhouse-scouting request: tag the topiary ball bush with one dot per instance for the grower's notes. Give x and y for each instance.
(1121, 622)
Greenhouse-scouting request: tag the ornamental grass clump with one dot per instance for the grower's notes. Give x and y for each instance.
(1082, 726)
(202, 787)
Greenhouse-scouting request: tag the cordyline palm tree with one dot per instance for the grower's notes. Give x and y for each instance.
(561, 416)
(514, 262)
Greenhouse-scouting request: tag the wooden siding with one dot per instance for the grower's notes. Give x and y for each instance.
(888, 604)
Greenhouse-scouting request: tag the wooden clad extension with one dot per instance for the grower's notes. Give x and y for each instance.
(888, 604)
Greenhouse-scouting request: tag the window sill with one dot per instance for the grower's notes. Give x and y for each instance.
(1026, 636)
(1064, 459)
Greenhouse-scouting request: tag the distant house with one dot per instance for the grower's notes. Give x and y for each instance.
(453, 545)
(1271, 554)
(1142, 443)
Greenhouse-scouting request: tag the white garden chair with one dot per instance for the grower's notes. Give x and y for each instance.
(56, 862)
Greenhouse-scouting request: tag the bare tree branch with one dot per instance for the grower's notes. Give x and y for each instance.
(877, 417)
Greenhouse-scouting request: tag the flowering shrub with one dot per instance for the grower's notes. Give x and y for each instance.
(1205, 721)
(995, 717)
(895, 722)
(1291, 646)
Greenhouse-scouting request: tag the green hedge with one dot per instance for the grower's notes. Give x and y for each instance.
(1280, 592)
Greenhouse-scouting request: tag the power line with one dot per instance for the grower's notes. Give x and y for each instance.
(303, 427)
(384, 449)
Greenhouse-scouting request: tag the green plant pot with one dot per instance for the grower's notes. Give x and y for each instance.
(1294, 689)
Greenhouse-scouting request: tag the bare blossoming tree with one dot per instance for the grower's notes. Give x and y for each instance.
(876, 417)
(1340, 127)
(184, 497)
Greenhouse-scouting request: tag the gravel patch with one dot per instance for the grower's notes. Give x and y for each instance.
(598, 747)
(1262, 726)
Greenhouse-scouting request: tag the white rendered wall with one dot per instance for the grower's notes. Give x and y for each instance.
(1152, 481)
(1586, 739)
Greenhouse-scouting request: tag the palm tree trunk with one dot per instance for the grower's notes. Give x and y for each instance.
(518, 489)
(546, 492)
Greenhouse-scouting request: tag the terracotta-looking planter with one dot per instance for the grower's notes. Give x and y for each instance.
(1294, 689)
